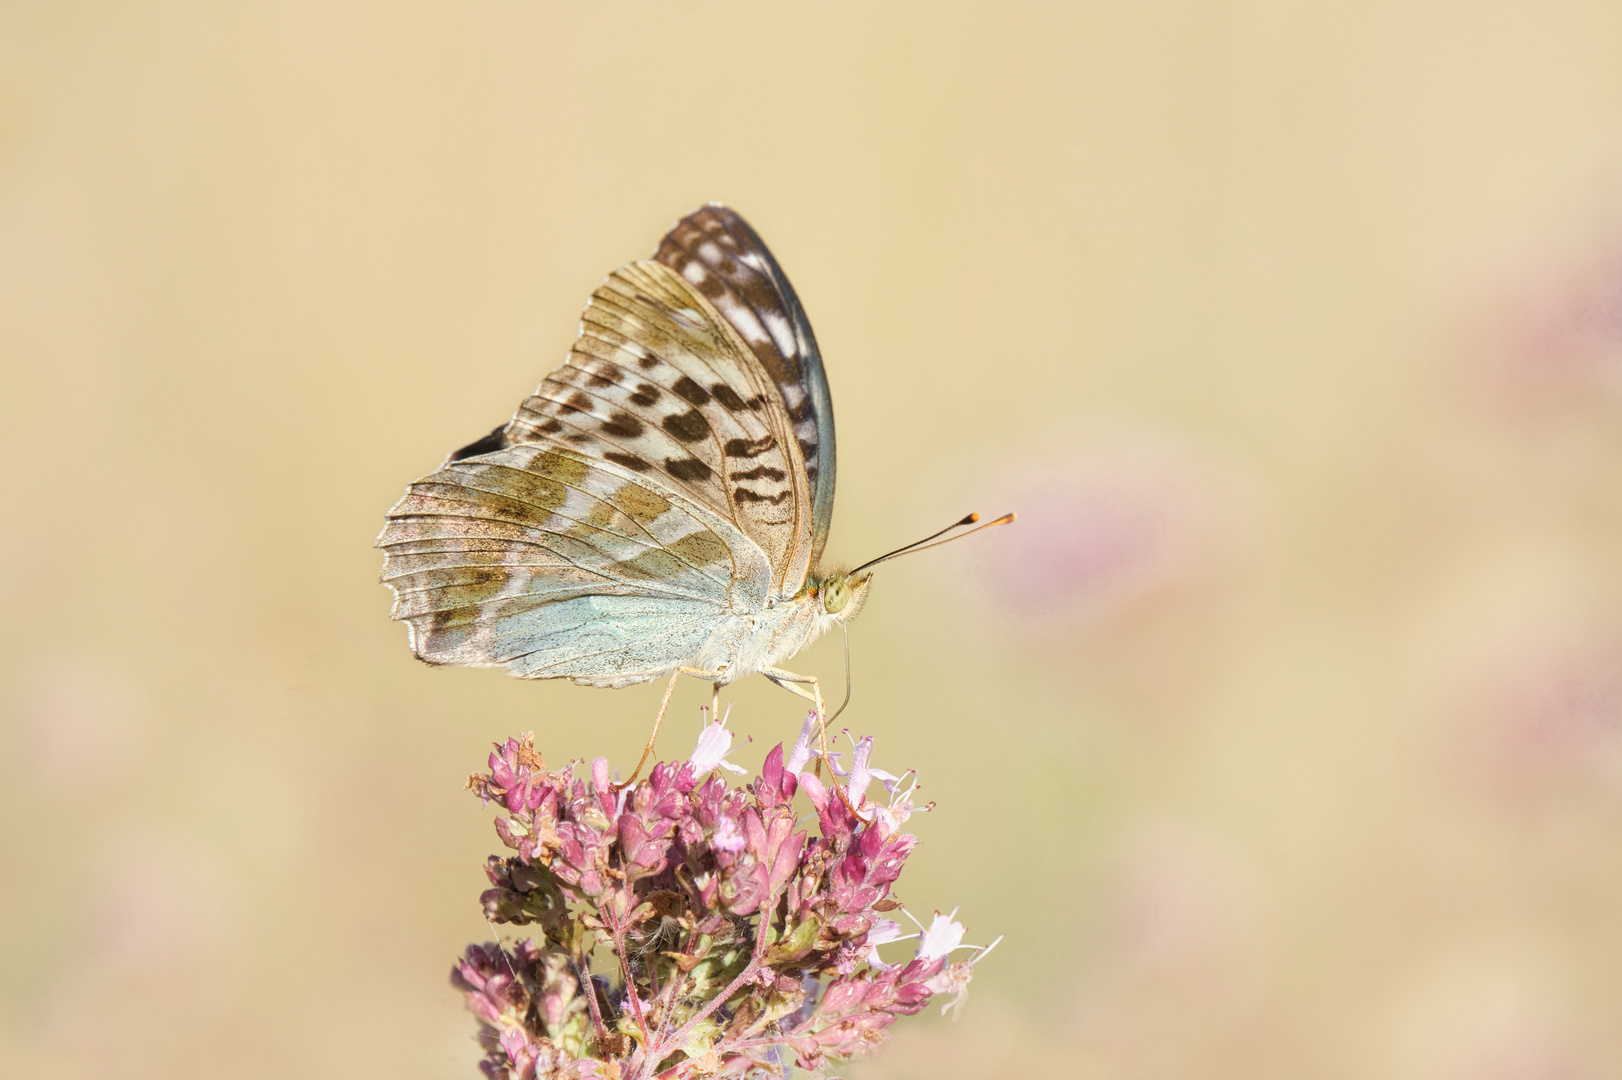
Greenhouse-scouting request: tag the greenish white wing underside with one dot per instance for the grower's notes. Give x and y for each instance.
(556, 566)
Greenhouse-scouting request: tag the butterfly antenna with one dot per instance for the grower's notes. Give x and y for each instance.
(846, 628)
(925, 543)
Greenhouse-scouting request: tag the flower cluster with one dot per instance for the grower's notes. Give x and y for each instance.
(690, 929)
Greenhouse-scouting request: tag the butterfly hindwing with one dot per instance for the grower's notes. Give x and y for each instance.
(715, 250)
(554, 565)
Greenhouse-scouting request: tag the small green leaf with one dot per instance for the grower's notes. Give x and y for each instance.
(796, 944)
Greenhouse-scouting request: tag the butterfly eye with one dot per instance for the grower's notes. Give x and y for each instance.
(835, 595)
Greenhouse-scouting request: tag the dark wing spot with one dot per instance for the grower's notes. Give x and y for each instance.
(691, 392)
(579, 402)
(690, 470)
(748, 448)
(550, 426)
(622, 425)
(645, 395)
(489, 444)
(630, 461)
(447, 619)
(688, 426)
(744, 495)
(728, 397)
(532, 511)
(761, 472)
(599, 380)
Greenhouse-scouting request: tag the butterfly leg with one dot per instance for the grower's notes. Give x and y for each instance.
(664, 703)
(796, 684)
(788, 680)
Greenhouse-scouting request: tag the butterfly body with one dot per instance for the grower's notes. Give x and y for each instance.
(748, 644)
(659, 503)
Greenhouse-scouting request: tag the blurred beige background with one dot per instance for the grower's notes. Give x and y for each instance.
(1283, 735)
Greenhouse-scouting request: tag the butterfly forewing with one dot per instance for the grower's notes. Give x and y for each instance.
(659, 385)
(715, 249)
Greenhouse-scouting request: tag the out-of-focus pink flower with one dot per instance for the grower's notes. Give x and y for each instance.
(78, 724)
(1107, 522)
(1553, 332)
(1539, 713)
(1180, 951)
(952, 979)
(157, 910)
(942, 936)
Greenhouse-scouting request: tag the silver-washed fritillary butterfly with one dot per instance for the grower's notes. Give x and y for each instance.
(659, 505)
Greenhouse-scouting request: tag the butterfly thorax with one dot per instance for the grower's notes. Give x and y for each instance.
(746, 644)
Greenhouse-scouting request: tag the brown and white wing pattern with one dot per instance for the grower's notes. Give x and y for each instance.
(660, 385)
(661, 487)
(556, 566)
(715, 250)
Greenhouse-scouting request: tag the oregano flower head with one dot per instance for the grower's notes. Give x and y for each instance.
(684, 928)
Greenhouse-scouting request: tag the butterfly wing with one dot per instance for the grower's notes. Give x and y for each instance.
(715, 250)
(675, 470)
(557, 566)
(659, 383)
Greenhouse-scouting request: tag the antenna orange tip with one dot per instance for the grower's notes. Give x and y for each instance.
(970, 520)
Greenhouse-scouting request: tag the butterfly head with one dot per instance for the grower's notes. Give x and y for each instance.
(843, 594)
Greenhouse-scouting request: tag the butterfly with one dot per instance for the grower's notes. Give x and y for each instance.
(659, 505)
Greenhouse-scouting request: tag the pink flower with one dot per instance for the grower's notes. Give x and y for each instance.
(943, 935)
(801, 754)
(952, 979)
(861, 774)
(883, 932)
(680, 874)
(714, 743)
(728, 837)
